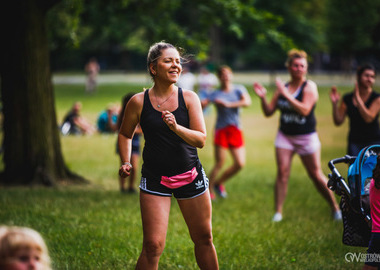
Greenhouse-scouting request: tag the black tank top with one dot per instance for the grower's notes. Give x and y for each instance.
(165, 153)
(360, 131)
(293, 123)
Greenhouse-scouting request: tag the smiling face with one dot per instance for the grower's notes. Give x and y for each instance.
(168, 66)
(298, 67)
(367, 78)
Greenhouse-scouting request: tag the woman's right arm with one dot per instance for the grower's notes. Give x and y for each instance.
(268, 108)
(339, 111)
(131, 119)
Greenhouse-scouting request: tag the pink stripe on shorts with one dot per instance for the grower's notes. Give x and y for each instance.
(301, 144)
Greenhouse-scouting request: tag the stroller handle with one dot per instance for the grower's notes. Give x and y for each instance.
(336, 181)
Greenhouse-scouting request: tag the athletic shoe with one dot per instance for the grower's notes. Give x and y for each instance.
(221, 191)
(337, 215)
(212, 196)
(277, 217)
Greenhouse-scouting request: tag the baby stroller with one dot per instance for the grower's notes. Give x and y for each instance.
(354, 194)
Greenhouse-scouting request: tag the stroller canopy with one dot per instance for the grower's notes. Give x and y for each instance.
(360, 172)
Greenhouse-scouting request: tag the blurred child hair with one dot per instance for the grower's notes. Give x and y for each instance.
(14, 240)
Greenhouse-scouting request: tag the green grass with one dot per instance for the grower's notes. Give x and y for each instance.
(95, 227)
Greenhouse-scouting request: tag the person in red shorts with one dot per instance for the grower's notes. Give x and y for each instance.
(228, 134)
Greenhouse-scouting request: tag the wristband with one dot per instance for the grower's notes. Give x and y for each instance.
(128, 163)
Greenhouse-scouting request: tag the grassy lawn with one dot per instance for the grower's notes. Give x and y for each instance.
(96, 227)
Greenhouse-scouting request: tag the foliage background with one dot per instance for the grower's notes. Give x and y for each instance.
(245, 34)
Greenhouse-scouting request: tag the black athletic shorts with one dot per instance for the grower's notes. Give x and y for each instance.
(194, 189)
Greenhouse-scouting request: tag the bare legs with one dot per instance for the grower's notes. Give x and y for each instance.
(284, 161)
(313, 167)
(155, 216)
(238, 156)
(312, 164)
(197, 214)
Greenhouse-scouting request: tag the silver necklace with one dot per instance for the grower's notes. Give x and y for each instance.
(159, 105)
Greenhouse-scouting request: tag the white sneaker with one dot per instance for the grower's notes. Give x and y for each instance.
(337, 215)
(277, 217)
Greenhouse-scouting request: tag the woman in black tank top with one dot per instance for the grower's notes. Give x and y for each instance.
(173, 126)
(296, 102)
(362, 106)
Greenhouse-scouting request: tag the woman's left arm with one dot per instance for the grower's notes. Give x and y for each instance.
(368, 114)
(310, 97)
(195, 135)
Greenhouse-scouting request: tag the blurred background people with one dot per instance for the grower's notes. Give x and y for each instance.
(228, 134)
(187, 80)
(92, 69)
(135, 152)
(362, 106)
(207, 82)
(74, 124)
(22, 248)
(297, 133)
(107, 119)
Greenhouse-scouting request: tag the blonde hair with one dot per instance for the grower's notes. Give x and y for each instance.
(12, 239)
(294, 54)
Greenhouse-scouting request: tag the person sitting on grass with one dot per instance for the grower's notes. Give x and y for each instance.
(107, 120)
(74, 124)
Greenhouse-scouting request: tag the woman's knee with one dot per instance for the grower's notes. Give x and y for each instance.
(203, 239)
(239, 164)
(283, 174)
(153, 248)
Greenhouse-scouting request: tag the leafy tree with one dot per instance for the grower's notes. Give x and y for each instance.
(353, 26)
(203, 28)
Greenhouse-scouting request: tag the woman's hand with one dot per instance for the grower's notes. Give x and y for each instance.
(125, 170)
(334, 95)
(260, 90)
(357, 98)
(169, 120)
(281, 88)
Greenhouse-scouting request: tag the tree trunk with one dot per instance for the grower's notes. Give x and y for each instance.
(31, 142)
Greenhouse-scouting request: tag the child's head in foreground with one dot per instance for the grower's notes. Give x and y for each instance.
(22, 249)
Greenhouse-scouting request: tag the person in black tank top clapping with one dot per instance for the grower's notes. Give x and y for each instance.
(172, 122)
(362, 106)
(297, 133)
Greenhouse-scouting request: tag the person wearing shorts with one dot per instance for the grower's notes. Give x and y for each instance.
(172, 122)
(228, 134)
(297, 133)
